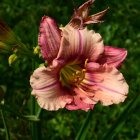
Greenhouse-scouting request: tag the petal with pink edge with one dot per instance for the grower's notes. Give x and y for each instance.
(108, 84)
(85, 95)
(113, 56)
(78, 104)
(49, 38)
(80, 45)
(82, 100)
(47, 90)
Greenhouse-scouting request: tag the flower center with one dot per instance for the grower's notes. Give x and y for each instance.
(72, 74)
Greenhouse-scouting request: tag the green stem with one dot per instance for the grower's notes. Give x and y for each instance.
(35, 126)
(38, 112)
(5, 125)
(83, 130)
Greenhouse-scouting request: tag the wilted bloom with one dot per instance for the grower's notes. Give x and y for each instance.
(81, 70)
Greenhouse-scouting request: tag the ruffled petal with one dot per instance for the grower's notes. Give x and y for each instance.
(49, 38)
(113, 56)
(80, 101)
(107, 84)
(47, 89)
(80, 45)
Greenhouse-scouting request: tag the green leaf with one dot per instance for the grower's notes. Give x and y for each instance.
(25, 117)
(116, 127)
(33, 118)
(84, 128)
(35, 126)
(5, 125)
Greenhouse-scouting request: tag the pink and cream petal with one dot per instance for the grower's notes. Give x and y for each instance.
(80, 45)
(47, 89)
(81, 100)
(78, 104)
(85, 95)
(108, 84)
(54, 103)
(49, 38)
(113, 56)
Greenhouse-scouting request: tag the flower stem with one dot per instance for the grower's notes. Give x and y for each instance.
(35, 126)
(5, 125)
(83, 130)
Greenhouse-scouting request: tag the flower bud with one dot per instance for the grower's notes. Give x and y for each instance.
(36, 50)
(12, 58)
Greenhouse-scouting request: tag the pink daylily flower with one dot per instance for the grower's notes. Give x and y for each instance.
(81, 70)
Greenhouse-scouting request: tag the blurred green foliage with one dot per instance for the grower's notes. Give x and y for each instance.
(121, 28)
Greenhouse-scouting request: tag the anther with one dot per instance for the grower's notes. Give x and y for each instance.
(86, 61)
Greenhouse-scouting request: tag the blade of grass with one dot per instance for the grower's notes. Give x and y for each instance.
(25, 117)
(83, 130)
(121, 120)
(39, 112)
(5, 125)
(35, 126)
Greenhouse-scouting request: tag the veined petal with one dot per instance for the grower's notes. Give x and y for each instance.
(80, 45)
(49, 38)
(113, 56)
(82, 100)
(79, 104)
(85, 95)
(47, 89)
(108, 84)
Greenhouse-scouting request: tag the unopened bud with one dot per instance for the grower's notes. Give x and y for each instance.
(12, 58)
(36, 50)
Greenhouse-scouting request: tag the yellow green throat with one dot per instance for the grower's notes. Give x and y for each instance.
(72, 74)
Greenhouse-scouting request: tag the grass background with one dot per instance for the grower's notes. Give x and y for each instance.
(121, 29)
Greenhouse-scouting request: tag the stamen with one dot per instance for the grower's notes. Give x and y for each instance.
(78, 77)
(86, 61)
(73, 74)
